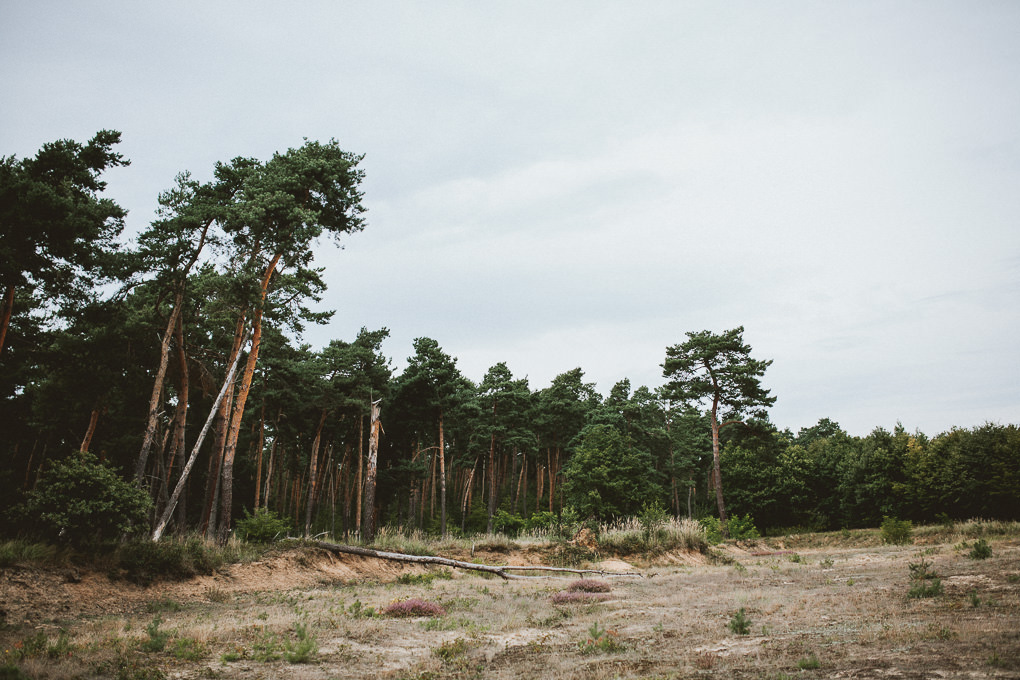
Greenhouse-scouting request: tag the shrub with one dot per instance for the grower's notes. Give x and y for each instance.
(157, 639)
(981, 550)
(414, 607)
(305, 649)
(451, 650)
(921, 571)
(652, 516)
(924, 581)
(896, 531)
(265, 526)
(600, 640)
(919, 589)
(505, 523)
(740, 528)
(145, 561)
(740, 624)
(83, 502)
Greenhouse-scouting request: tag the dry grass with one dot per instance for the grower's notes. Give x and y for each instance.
(845, 609)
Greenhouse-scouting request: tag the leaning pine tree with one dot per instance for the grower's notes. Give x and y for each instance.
(717, 370)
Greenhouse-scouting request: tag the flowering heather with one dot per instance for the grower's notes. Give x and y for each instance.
(414, 607)
(588, 585)
(578, 598)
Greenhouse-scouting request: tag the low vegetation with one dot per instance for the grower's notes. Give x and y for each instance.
(896, 608)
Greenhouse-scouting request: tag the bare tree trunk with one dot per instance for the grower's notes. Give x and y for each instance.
(181, 417)
(258, 455)
(368, 529)
(358, 485)
(87, 441)
(313, 472)
(194, 451)
(442, 479)
(227, 496)
(492, 481)
(500, 571)
(157, 389)
(718, 476)
(467, 495)
(269, 465)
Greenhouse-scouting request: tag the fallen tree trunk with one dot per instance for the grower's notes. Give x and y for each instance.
(500, 571)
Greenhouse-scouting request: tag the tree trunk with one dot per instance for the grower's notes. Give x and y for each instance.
(230, 450)
(442, 479)
(194, 451)
(358, 485)
(500, 571)
(313, 472)
(269, 464)
(467, 495)
(368, 530)
(492, 481)
(181, 416)
(157, 389)
(87, 441)
(718, 476)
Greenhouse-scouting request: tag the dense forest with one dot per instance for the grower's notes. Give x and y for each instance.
(173, 362)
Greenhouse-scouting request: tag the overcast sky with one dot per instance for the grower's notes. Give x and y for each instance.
(564, 184)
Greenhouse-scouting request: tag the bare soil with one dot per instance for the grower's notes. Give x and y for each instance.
(819, 612)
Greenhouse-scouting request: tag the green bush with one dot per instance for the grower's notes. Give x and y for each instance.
(981, 550)
(144, 561)
(265, 526)
(740, 624)
(505, 523)
(652, 516)
(897, 531)
(740, 528)
(83, 502)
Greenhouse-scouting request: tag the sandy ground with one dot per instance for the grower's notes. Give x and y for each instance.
(825, 612)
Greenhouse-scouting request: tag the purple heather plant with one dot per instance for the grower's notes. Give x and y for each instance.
(414, 606)
(588, 585)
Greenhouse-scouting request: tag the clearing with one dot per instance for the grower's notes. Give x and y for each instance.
(825, 611)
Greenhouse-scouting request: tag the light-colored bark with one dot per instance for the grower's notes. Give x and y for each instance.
(368, 529)
(168, 511)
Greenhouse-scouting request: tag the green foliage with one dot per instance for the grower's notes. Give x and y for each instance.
(924, 581)
(27, 553)
(921, 570)
(739, 623)
(809, 663)
(189, 649)
(740, 528)
(607, 476)
(921, 589)
(156, 642)
(505, 523)
(980, 551)
(83, 502)
(360, 611)
(652, 516)
(896, 531)
(12, 672)
(304, 649)
(600, 640)
(451, 650)
(145, 561)
(265, 526)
